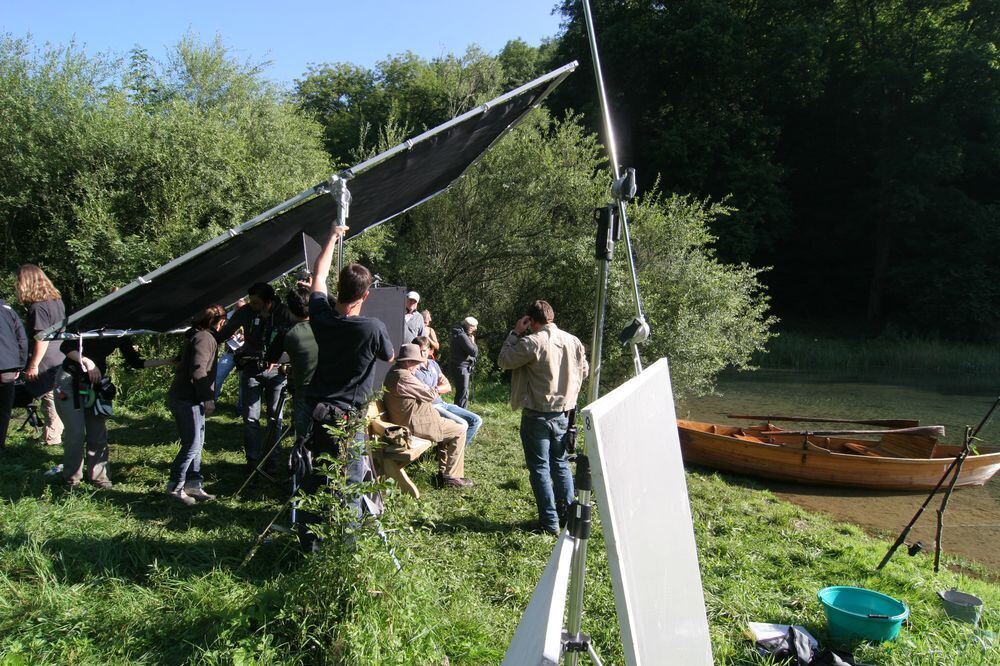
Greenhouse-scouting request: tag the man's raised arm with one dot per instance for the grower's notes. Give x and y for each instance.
(321, 269)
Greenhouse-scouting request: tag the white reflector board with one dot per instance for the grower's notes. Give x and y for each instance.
(646, 520)
(538, 638)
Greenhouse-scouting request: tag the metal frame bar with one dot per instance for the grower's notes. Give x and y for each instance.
(553, 78)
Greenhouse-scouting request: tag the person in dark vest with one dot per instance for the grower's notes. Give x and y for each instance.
(462, 358)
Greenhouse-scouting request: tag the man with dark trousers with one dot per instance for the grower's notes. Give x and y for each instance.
(343, 384)
(265, 321)
(462, 358)
(13, 357)
(549, 366)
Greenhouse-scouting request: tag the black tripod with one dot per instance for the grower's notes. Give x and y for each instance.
(269, 434)
(953, 471)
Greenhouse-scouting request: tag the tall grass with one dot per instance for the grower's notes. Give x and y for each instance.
(900, 354)
(126, 576)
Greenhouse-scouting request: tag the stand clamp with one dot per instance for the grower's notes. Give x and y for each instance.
(580, 643)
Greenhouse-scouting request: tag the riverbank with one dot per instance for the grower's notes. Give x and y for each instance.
(889, 353)
(125, 576)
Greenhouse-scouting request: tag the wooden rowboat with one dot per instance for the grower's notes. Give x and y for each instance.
(892, 462)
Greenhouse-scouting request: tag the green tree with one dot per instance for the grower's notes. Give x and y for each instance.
(108, 171)
(519, 227)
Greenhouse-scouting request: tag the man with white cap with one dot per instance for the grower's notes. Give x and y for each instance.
(462, 358)
(413, 321)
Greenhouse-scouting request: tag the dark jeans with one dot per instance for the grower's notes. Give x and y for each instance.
(186, 468)
(548, 464)
(267, 387)
(462, 378)
(6, 407)
(358, 470)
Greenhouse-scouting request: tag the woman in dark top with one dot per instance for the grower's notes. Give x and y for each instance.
(45, 308)
(13, 356)
(86, 434)
(191, 399)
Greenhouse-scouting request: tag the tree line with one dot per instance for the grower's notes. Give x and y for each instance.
(111, 167)
(858, 141)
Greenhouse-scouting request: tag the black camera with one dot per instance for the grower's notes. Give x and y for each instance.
(253, 364)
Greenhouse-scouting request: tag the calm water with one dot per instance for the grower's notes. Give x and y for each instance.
(972, 522)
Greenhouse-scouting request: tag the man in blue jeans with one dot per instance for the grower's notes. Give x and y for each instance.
(549, 366)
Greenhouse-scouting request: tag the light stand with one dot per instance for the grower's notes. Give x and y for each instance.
(612, 225)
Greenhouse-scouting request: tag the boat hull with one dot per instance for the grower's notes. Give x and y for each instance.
(791, 459)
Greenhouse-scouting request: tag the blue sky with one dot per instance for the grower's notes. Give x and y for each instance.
(292, 34)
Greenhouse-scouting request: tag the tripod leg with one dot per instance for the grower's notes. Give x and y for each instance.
(260, 537)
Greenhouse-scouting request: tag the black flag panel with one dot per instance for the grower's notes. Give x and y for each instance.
(271, 245)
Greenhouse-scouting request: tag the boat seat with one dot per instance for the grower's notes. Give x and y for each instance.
(861, 449)
(907, 446)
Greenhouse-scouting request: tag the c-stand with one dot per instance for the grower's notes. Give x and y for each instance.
(612, 226)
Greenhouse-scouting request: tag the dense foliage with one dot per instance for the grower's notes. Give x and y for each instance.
(110, 168)
(859, 139)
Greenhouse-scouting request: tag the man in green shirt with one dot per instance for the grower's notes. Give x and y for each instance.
(303, 356)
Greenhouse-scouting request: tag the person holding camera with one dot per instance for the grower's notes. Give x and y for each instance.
(549, 366)
(265, 321)
(462, 358)
(81, 381)
(192, 399)
(13, 357)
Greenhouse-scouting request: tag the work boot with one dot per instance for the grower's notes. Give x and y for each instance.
(177, 493)
(199, 494)
(442, 481)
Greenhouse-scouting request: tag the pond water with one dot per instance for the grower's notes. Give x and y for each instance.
(972, 519)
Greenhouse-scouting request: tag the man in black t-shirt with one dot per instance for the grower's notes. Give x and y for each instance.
(349, 346)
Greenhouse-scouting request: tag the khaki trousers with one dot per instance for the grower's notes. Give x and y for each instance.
(451, 450)
(86, 437)
(52, 431)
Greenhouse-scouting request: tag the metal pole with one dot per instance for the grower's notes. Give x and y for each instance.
(578, 562)
(340, 192)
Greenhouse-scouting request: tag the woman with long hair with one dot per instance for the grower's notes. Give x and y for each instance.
(45, 308)
(191, 399)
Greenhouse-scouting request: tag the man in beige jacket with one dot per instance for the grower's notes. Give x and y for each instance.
(409, 402)
(549, 366)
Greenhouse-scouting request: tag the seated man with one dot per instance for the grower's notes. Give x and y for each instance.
(410, 403)
(429, 372)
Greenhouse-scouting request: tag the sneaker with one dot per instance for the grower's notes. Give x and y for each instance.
(199, 494)
(180, 496)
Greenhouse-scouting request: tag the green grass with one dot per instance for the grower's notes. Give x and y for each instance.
(889, 353)
(124, 576)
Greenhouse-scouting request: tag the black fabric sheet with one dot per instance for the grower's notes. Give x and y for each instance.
(380, 189)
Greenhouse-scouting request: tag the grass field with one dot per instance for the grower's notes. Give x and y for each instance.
(125, 576)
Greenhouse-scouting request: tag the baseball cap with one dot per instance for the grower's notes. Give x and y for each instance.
(412, 295)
